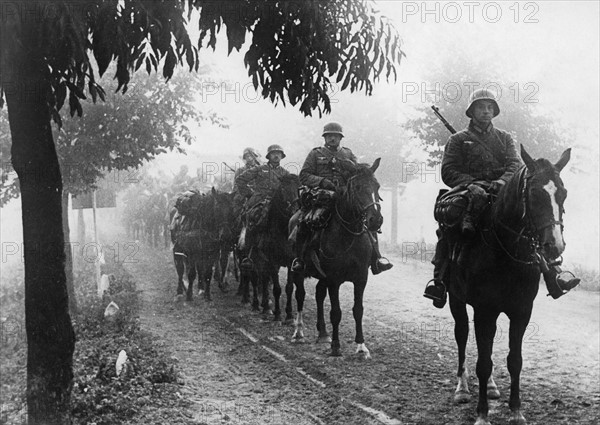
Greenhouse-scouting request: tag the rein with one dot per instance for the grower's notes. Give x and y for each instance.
(529, 232)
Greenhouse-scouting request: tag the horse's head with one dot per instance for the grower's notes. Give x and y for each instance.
(362, 194)
(544, 196)
(286, 197)
(223, 213)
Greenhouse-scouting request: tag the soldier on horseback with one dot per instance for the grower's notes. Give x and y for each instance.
(258, 184)
(324, 169)
(250, 157)
(478, 160)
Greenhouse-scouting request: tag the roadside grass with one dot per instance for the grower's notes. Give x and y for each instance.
(148, 382)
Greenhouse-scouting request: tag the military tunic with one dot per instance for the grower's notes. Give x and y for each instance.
(265, 180)
(322, 163)
(473, 154)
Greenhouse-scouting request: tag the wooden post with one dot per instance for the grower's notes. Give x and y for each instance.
(97, 262)
(394, 238)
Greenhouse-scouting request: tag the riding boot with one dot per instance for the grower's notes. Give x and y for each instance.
(556, 283)
(467, 226)
(378, 263)
(436, 289)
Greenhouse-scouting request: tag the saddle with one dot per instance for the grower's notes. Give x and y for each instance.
(257, 215)
(451, 206)
(317, 204)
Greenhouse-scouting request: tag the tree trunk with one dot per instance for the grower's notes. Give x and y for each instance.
(68, 254)
(50, 336)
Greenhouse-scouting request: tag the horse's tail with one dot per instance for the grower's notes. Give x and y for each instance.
(317, 263)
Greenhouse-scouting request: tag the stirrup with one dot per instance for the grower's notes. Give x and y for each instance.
(435, 293)
(380, 265)
(297, 265)
(560, 286)
(247, 264)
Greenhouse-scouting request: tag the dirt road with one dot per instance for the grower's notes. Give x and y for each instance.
(239, 367)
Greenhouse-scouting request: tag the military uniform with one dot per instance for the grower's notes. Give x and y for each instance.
(325, 167)
(323, 163)
(475, 154)
(265, 180)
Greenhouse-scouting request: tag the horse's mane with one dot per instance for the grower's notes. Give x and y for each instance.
(290, 178)
(510, 201)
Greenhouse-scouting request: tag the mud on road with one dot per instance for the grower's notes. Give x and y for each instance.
(240, 367)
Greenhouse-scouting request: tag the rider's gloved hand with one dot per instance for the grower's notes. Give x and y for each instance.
(496, 185)
(327, 184)
(475, 189)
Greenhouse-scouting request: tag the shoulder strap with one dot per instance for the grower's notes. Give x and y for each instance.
(487, 148)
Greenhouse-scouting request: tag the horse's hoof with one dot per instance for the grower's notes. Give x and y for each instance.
(288, 321)
(461, 397)
(321, 339)
(189, 298)
(277, 317)
(516, 418)
(493, 393)
(482, 421)
(224, 287)
(336, 352)
(255, 307)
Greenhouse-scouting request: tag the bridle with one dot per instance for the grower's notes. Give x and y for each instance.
(361, 210)
(529, 233)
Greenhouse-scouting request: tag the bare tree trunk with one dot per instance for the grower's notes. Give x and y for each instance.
(50, 336)
(68, 254)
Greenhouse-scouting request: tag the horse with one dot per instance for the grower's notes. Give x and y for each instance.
(343, 255)
(503, 274)
(197, 240)
(272, 250)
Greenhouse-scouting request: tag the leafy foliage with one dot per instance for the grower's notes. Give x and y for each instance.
(297, 47)
(121, 133)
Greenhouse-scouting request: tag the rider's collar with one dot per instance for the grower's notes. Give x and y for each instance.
(479, 129)
(333, 149)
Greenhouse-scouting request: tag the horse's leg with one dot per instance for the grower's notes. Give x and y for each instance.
(518, 325)
(320, 294)
(265, 278)
(357, 312)
(461, 335)
(492, 389)
(244, 288)
(192, 264)
(289, 292)
(300, 295)
(276, 293)
(207, 270)
(485, 330)
(180, 267)
(223, 261)
(335, 316)
(255, 279)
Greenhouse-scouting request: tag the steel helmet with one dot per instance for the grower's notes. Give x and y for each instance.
(482, 94)
(251, 151)
(274, 148)
(333, 128)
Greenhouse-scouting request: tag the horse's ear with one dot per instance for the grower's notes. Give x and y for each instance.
(564, 158)
(375, 165)
(213, 190)
(529, 162)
